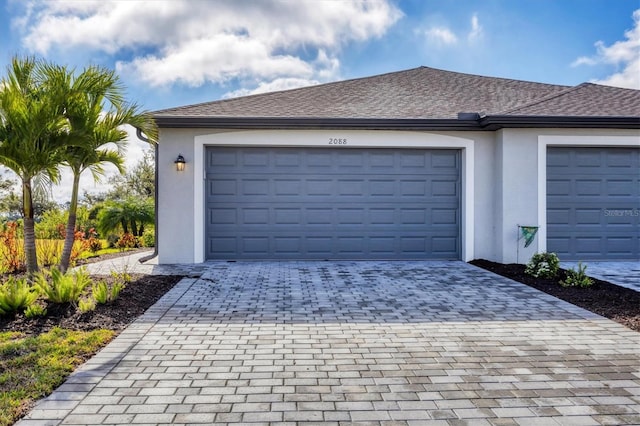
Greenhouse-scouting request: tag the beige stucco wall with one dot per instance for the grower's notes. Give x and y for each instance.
(505, 187)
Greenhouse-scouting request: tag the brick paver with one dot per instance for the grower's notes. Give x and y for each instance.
(397, 343)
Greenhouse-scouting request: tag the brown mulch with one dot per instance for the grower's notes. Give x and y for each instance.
(617, 303)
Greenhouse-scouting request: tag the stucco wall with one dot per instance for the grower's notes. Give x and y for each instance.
(521, 181)
(506, 167)
(176, 196)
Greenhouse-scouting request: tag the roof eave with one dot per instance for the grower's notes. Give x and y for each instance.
(494, 122)
(486, 123)
(164, 121)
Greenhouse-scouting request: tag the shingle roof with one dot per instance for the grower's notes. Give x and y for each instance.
(585, 100)
(417, 94)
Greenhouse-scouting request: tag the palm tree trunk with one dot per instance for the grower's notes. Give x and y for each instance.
(69, 237)
(29, 227)
(134, 228)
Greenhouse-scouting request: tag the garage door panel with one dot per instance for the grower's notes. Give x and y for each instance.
(593, 203)
(338, 203)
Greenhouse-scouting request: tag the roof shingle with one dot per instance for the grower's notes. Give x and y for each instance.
(424, 94)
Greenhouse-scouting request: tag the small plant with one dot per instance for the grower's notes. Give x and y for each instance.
(87, 305)
(103, 293)
(63, 288)
(16, 294)
(123, 277)
(35, 311)
(577, 278)
(543, 265)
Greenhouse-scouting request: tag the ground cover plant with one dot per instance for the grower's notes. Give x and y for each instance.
(33, 366)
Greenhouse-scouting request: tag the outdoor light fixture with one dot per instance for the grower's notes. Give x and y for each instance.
(180, 163)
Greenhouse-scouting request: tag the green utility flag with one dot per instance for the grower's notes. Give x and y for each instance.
(529, 234)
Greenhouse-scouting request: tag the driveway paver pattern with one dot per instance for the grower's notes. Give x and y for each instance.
(380, 343)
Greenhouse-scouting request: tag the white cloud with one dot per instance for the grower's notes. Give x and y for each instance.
(272, 86)
(476, 32)
(624, 55)
(441, 36)
(193, 42)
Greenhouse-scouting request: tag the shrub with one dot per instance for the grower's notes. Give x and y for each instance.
(149, 238)
(12, 257)
(577, 278)
(543, 265)
(35, 311)
(112, 240)
(80, 245)
(87, 305)
(63, 288)
(49, 251)
(127, 241)
(103, 293)
(95, 245)
(16, 294)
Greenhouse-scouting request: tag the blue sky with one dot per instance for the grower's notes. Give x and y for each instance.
(178, 52)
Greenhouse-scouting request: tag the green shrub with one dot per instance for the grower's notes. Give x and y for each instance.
(543, 265)
(35, 311)
(16, 294)
(103, 293)
(63, 288)
(577, 278)
(87, 305)
(148, 239)
(112, 240)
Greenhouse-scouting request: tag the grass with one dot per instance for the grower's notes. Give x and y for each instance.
(32, 367)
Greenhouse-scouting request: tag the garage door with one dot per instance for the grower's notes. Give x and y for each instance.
(593, 203)
(316, 203)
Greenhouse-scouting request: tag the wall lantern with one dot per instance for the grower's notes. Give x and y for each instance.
(180, 162)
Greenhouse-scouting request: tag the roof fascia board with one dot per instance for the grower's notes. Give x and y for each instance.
(315, 123)
(495, 122)
(488, 123)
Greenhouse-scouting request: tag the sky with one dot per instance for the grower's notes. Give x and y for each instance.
(180, 52)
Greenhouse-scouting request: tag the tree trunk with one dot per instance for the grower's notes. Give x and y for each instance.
(29, 227)
(125, 228)
(134, 228)
(69, 238)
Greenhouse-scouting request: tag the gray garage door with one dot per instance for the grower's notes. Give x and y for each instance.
(315, 203)
(593, 203)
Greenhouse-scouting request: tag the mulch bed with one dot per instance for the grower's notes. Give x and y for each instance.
(138, 296)
(617, 303)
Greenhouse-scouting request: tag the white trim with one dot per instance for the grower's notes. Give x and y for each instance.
(545, 141)
(320, 138)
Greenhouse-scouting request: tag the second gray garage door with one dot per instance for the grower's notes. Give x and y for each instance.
(593, 203)
(315, 203)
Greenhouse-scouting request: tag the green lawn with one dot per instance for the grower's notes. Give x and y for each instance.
(32, 367)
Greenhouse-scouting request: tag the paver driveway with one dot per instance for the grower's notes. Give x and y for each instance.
(357, 342)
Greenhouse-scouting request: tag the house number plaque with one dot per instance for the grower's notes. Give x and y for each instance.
(337, 141)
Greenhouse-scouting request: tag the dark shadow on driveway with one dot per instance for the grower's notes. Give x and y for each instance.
(362, 292)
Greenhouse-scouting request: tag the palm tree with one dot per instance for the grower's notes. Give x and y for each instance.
(31, 136)
(131, 215)
(98, 135)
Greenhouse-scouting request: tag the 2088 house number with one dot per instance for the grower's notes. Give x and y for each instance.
(337, 141)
